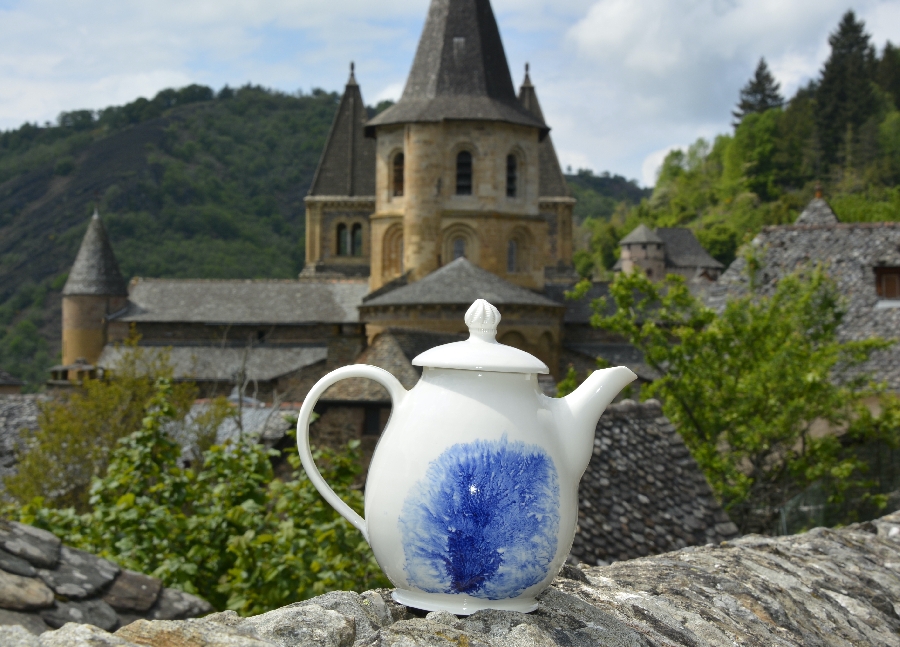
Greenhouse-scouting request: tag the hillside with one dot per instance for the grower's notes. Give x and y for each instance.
(190, 184)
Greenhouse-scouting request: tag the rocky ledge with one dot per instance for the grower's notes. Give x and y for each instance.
(823, 588)
(45, 585)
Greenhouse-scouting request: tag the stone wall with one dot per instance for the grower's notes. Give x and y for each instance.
(44, 585)
(823, 588)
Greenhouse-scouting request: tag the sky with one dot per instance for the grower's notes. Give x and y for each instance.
(621, 82)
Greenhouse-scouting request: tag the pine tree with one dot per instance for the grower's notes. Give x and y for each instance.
(888, 73)
(846, 97)
(760, 93)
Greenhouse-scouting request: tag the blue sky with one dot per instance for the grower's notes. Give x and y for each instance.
(621, 81)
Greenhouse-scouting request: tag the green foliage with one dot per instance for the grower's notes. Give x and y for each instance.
(759, 95)
(746, 387)
(77, 433)
(225, 529)
(845, 96)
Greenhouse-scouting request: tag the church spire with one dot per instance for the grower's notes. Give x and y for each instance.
(459, 72)
(95, 271)
(551, 182)
(347, 165)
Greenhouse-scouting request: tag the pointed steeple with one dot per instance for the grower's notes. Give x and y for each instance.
(551, 182)
(459, 72)
(347, 165)
(95, 271)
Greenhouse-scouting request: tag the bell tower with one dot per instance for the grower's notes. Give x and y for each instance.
(94, 290)
(457, 159)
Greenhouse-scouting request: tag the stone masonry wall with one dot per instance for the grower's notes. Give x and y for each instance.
(824, 588)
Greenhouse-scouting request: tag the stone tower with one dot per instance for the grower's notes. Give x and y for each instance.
(643, 249)
(342, 194)
(95, 289)
(457, 159)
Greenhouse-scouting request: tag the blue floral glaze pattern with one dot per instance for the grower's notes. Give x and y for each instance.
(483, 521)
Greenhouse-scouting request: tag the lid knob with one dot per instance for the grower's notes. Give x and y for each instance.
(482, 319)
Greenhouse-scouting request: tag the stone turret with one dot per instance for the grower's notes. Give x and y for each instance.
(94, 290)
(457, 159)
(642, 249)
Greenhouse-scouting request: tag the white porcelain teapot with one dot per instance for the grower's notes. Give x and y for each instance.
(471, 499)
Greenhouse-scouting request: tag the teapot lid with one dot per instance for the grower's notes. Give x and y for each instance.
(481, 351)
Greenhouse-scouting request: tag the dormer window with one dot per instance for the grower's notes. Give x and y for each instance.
(887, 282)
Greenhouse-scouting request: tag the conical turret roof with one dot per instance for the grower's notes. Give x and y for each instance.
(459, 72)
(551, 183)
(95, 271)
(347, 165)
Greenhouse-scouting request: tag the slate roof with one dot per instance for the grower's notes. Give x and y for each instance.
(850, 252)
(217, 363)
(641, 234)
(579, 311)
(46, 584)
(347, 165)
(95, 271)
(244, 301)
(461, 282)
(459, 72)
(642, 493)
(8, 380)
(17, 412)
(817, 212)
(551, 182)
(684, 250)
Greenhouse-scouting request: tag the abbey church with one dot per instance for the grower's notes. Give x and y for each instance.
(452, 194)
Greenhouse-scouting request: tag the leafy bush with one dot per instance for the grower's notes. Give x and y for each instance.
(225, 529)
(77, 433)
(746, 387)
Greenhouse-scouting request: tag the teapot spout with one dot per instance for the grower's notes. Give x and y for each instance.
(581, 409)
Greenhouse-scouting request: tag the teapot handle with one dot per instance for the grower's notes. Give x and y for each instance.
(397, 393)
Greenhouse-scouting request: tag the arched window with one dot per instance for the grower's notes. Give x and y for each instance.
(459, 248)
(356, 241)
(398, 175)
(511, 175)
(464, 173)
(512, 254)
(343, 240)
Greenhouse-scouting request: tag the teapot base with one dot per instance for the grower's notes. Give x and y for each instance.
(460, 604)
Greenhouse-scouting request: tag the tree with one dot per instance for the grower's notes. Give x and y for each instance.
(226, 528)
(845, 96)
(888, 72)
(746, 386)
(760, 94)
